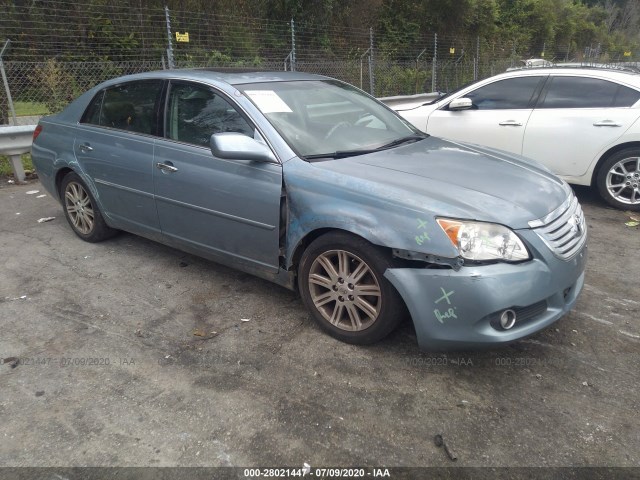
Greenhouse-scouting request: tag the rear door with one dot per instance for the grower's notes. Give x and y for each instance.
(576, 118)
(222, 208)
(114, 148)
(498, 118)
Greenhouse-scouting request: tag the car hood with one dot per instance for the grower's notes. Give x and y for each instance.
(457, 180)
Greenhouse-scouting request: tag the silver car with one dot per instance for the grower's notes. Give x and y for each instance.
(313, 184)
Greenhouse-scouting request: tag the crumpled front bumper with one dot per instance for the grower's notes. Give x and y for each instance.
(460, 309)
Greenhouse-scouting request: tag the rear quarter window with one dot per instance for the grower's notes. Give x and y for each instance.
(626, 97)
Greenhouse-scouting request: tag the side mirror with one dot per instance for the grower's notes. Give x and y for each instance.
(236, 146)
(461, 104)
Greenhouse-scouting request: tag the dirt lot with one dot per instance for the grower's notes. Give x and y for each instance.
(120, 365)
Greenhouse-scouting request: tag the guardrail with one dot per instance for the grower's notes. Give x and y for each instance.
(410, 101)
(14, 141)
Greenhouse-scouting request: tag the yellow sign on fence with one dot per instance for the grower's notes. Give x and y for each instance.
(627, 54)
(182, 37)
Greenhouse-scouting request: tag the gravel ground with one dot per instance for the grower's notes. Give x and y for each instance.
(136, 354)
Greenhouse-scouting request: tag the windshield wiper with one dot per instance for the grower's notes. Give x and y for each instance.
(411, 138)
(352, 153)
(340, 154)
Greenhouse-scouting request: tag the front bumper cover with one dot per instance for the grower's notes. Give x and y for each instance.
(458, 309)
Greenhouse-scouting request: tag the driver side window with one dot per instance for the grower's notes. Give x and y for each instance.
(195, 112)
(513, 93)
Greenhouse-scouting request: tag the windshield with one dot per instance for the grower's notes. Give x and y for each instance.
(328, 118)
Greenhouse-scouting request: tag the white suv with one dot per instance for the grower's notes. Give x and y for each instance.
(583, 124)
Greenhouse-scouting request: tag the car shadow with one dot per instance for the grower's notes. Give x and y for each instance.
(589, 196)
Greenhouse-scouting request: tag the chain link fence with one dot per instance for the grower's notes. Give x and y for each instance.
(56, 54)
(39, 88)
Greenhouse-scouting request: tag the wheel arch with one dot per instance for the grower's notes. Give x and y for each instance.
(60, 174)
(64, 171)
(603, 158)
(309, 237)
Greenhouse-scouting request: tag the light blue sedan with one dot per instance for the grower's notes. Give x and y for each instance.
(313, 184)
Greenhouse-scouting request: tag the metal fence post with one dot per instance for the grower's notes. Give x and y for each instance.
(372, 83)
(169, 39)
(6, 83)
(293, 46)
(476, 71)
(418, 66)
(361, 60)
(434, 75)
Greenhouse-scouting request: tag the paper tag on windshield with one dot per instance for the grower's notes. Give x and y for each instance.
(268, 101)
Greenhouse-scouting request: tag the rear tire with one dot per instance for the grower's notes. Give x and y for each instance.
(82, 211)
(618, 180)
(341, 282)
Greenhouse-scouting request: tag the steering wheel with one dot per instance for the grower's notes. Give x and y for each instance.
(336, 127)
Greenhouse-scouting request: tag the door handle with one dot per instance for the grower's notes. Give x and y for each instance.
(85, 147)
(606, 123)
(166, 168)
(510, 123)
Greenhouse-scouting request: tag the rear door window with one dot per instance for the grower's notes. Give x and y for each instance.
(131, 106)
(581, 92)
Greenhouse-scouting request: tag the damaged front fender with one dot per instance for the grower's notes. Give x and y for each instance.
(334, 201)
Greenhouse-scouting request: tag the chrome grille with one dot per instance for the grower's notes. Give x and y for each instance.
(564, 230)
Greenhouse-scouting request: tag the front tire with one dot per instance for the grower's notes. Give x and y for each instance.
(618, 180)
(342, 284)
(81, 210)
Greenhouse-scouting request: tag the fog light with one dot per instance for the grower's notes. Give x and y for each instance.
(508, 319)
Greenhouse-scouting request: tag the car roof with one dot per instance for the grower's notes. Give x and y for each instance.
(622, 76)
(229, 76)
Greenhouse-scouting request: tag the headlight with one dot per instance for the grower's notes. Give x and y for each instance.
(484, 241)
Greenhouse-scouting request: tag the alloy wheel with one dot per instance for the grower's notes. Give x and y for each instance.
(79, 207)
(345, 290)
(623, 181)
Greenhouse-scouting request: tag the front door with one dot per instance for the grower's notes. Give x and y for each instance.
(221, 208)
(498, 118)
